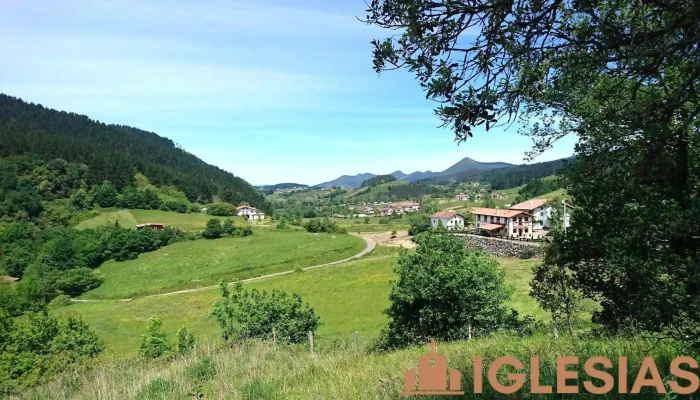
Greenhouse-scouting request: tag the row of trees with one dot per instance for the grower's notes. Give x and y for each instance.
(56, 261)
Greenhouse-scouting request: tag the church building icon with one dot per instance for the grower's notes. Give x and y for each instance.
(432, 376)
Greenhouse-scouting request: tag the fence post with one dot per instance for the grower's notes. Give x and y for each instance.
(311, 342)
(274, 337)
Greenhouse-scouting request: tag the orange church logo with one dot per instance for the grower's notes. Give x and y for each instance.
(432, 376)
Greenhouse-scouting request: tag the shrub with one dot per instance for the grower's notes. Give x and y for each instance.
(222, 209)
(75, 282)
(43, 347)
(62, 300)
(323, 226)
(419, 223)
(252, 314)
(228, 228)
(446, 292)
(185, 341)
(213, 230)
(203, 370)
(177, 206)
(282, 225)
(527, 253)
(155, 342)
(384, 221)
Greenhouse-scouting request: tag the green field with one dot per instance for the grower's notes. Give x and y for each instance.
(348, 297)
(129, 218)
(174, 267)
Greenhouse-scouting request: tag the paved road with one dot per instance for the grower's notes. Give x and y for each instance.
(370, 246)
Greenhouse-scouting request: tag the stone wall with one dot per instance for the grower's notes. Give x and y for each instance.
(500, 247)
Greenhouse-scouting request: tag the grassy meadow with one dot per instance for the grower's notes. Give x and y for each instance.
(174, 267)
(348, 297)
(127, 218)
(345, 369)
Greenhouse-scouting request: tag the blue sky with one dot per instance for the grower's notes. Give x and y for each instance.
(273, 91)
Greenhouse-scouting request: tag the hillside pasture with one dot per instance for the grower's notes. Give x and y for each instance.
(348, 297)
(127, 218)
(174, 267)
(355, 225)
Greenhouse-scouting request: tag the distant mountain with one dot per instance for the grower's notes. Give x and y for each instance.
(347, 180)
(504, 177)
(465, 166)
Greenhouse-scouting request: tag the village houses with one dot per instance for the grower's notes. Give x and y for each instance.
(450, 220)
(250, 213)
(498, 222)
(541, 210)
(462, 197)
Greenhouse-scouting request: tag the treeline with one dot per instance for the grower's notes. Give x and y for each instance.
(378, 180)
(537, 187)
(115, 153)
(509, 177)
(60, 261)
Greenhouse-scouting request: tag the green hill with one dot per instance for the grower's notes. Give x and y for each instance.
(115, 153)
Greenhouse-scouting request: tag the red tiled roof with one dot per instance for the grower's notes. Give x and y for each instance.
(490, 227)
(239, 207)
(529, 204)
(497, 212)
(445, 214)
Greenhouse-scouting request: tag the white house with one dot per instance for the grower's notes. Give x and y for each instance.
(511, 223)
(462, 197)
(450, 220)
(541, 210)
(250, 212)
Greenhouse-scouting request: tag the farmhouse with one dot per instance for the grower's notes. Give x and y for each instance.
(449, 219)
(498, 196)
(150, 225)
(511, 223)
(250, 212)
(462, 197)
(541, 210)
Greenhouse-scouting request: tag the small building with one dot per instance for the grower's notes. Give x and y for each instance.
(499, 196)
(450, 220)
(250, 213)
(150, 225)
(541, 210)
(462, 197)
(510, 223)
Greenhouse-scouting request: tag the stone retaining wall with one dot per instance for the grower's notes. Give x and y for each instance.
(500, 247)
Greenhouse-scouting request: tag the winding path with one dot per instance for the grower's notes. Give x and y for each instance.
(370, 246)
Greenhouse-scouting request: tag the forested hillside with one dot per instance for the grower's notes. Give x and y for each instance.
(505, 178)
(115, 153)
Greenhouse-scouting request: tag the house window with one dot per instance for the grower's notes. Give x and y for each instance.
(525, 219)
(515, 231)
(525, 230)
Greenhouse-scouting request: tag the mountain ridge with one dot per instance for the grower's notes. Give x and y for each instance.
(465, 165)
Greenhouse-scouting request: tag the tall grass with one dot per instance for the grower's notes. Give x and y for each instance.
(340, 369)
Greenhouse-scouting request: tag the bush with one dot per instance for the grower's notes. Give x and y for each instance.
(43, 347)
(222, 209)
(247, 314)
(446, 292)
(419, 223)
(185, 341)
(384, 221)
(203, 370)
(75, 282)
(228, 228)
(282, 225)
(62, 300)
(214, 230)
(323, 226)
(527, 253)
(177, 206)
(155, 342)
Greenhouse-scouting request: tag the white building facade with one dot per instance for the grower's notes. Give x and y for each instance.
(542, 212)
(498, 222)
(450, 220)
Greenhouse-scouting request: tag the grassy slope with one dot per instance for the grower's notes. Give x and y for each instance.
(348, 297)
(175, 266)
(346, 370)
(129, 218)
(378, 190)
